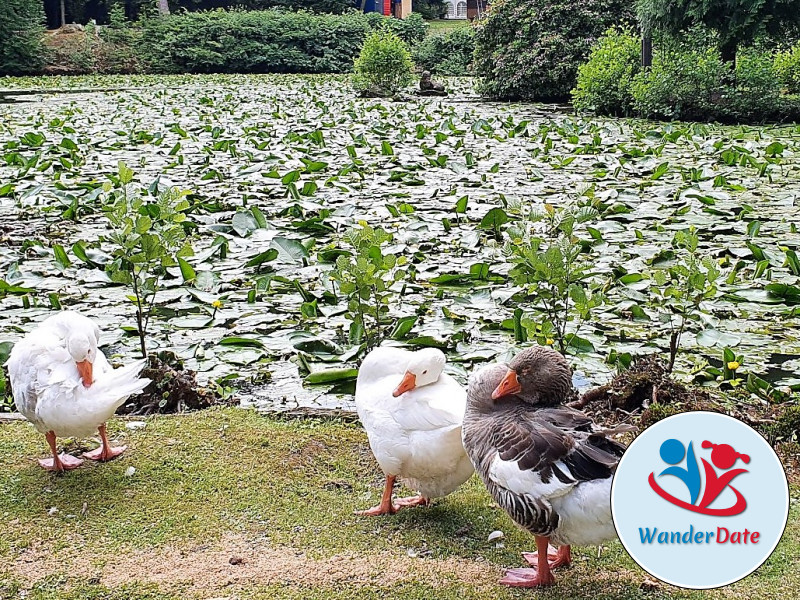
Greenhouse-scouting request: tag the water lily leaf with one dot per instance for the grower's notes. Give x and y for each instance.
(712, 337)
(244, 223)
(60, 254)
(289, 250)
(241, 342)
(331, 375)
(262, 257)
(187, 271)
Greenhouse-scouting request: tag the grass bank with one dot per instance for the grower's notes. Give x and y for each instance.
(227, 503)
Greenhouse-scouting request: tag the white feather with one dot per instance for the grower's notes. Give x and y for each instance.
(416, 436)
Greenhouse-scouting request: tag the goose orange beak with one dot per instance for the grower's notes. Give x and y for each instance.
(85, 371)
(409, 383)
(508, 386)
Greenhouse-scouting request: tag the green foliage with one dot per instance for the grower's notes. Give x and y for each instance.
(531, 49)
(678, 291)
(693, 84)
(271, 41)
(787, 68)
(735, 21)
(365, 274)
(384, 66)
(604, 80)
(447, 53)
(412, 30)
(21, 30)
(554, 267)
(149, 234)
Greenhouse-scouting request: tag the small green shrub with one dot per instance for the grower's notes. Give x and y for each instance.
(604, 81)
(21, 30)
(531, 49)
(787, 69)
(448, 53)
(384, 66)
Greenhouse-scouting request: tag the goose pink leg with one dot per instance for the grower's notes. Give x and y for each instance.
(539, 577)
(105, 451)
(385, 507)
(413, 501)
(557, 558)
(60, 462)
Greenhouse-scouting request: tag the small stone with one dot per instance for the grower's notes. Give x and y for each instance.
(134, 425)
(496, 535)
(130, 471)
(649, 585)
(236, 560)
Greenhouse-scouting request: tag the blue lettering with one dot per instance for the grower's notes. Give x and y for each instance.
(647, 538)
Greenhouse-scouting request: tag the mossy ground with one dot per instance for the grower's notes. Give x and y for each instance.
(277, 497)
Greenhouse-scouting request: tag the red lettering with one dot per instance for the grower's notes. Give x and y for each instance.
(720, 539)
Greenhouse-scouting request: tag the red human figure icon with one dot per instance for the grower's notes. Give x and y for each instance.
(724, 457)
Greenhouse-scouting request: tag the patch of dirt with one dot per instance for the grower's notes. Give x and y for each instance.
(237, 562)
(646, 394)
(173, 389)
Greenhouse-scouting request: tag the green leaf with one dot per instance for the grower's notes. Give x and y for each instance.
(289, 250)
(494, 219)
(187, 272)
(331, 375)
(62, 259)
(242, 342)
(262, 257)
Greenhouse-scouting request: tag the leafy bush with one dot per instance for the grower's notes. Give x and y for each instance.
(681, 84)
(271, 41)
(787, 69)
(447, 53)
(531, 49)
(412, 30)
(384, 66)
(21, 29)
(694, 84)
(604, 80)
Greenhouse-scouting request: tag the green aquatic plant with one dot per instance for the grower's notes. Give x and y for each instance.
(553, 265)
(149, 235)
(365, 274)
(678, 291)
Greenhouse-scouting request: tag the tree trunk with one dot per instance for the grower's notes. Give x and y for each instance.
(647, 51)
(163, 7)
(63, 14)
(727, 51)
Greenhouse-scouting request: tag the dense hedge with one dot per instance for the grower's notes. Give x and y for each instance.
(688, 81)
(531, 49)
(447, 53)
(21, 28)
(271, 41)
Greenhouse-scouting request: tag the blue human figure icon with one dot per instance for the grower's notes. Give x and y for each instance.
(672, 453)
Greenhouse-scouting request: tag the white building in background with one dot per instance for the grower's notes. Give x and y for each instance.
(456, 9)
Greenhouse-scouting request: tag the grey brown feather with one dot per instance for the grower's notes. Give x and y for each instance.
(532, 431)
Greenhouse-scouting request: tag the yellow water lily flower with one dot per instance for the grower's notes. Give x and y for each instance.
(549, 341)
(733, 365)
(217, 304)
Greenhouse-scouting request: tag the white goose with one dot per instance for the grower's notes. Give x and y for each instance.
(65, 386)
(412, 413)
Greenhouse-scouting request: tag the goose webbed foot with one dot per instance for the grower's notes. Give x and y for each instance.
(560, 557)
(105, 452)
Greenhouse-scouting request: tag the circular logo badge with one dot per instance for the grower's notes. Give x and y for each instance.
(700, 500)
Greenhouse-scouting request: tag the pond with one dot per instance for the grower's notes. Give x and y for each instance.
(234, 142)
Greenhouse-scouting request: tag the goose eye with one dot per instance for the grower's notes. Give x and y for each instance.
(425, 372)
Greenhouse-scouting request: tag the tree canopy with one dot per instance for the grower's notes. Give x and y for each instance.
(735, 21)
